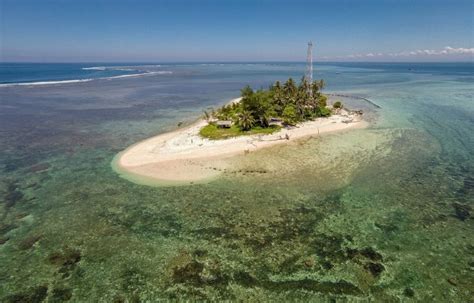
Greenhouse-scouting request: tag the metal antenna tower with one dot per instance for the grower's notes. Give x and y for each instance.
(309, 66)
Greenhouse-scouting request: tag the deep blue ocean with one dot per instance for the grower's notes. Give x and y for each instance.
(381, 214)
(17, 73)
(40, 73)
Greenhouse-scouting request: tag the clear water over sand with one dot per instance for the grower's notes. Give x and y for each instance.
(383, 213)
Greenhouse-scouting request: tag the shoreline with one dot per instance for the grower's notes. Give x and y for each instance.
(182, 156)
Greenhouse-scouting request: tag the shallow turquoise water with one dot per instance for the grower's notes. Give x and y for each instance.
(381, 214)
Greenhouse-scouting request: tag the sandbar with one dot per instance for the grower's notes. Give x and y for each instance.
(183, 156)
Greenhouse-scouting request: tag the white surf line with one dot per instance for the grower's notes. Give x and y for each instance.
(41, 83)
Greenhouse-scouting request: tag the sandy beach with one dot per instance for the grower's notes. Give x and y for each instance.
(183, 156)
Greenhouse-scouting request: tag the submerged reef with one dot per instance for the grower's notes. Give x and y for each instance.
(29, 241)
(61, 295)
(462, 211)
(12, 195)
(326, 228)
(275, 265)
(65, 261)
(32, 295)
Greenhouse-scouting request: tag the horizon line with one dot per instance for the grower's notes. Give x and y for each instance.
(222, 62)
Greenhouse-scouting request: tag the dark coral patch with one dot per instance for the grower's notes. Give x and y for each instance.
(69, 257)
(371, 254)
(367, 252)
(462, 211)
(330, 246)
(61, 295)
(39, 167)
(4, 240)
(245, 279)
(374, 268)
(13, 195)
(188, 273)
(409, 292)
(33, 295)
(66, 260)
(28, 242)
(5, 228)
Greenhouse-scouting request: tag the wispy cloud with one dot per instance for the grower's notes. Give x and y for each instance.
(446, 51)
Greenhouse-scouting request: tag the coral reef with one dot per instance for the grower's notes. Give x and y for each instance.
(33, 295)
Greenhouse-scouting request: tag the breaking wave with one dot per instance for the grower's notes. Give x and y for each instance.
(94, 68)
(121, 68)
(83, 80)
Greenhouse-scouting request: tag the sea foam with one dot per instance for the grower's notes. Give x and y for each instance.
(39, 83)
(44, 82)
(95, 68)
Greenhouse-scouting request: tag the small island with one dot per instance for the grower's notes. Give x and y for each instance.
(258, 119)
(266, 111)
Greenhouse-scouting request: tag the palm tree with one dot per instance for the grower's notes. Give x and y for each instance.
(290, 90)
(315, 88)
(246, 120)
(275, 86)
(278, 97)
(303, 97)
(322, 84)
(304, 85)
(246, 92)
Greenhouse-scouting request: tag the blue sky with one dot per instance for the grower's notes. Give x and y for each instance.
(213, 30)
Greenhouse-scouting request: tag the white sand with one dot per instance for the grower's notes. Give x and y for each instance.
(183, 156)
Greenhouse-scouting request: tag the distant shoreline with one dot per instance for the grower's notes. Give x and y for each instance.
(183, 157)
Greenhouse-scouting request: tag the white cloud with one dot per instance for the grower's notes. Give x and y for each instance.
(446, 51)
(460, 50)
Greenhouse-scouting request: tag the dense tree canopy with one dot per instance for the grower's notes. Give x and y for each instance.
(290, 102)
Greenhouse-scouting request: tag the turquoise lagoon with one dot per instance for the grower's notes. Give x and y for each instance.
(380, 214)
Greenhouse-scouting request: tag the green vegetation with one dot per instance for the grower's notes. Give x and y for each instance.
(212, 131)
(337, 104)
(262, 110)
